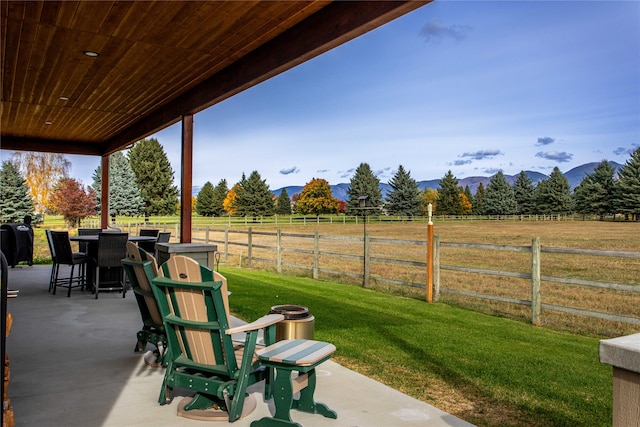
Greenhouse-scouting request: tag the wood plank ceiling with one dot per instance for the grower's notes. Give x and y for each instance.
(158, 60)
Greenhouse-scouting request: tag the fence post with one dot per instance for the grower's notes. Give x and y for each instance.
(226, 244)
(535, 281)
(279, 251)
(367, 261)
(430, 256)
(436, 267)
(249, 244)
(316, 254)
(206, 234)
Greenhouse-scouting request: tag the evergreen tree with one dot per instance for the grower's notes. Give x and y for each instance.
(478, 200)
(363, 183)
(629, 186)
(219, 194)
(15, 200)
(284, 203)
(448, 196)
(525, 194)
(253, 197)
(154, 176)
(596, 193)
(404, 198)
(124, 194)
(204, 201)
(499, 198)
(553, 195)
(316, 198)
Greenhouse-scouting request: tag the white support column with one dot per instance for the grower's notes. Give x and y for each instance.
(623, 353)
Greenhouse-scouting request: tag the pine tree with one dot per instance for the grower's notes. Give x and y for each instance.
(253, 197)
(204, 202)
(219, 194)
(448, 196)
(404, 198)
(363, 183)
(596, 193)
(499, 198)
(629, 186)
(553, 195)
(525, 194)
(284, 203)
(124, 194)
(15, 200)
(478, 200)
(154, 176)
(70, 200)
(316, 198)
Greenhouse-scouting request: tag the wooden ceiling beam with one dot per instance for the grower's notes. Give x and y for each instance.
(16, 143)
(328, 28)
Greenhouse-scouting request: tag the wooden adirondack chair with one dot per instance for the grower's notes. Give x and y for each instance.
(141, 268)
(203, 357)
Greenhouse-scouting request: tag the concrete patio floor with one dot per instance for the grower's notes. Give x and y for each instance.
(72, 364)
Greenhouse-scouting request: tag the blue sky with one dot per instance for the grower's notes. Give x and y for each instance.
(471, 87)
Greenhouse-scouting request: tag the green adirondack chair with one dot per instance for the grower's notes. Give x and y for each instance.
(141, 268)
(203, 357)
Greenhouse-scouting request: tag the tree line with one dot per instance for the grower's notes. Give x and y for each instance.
(601, 193)
(141, 183)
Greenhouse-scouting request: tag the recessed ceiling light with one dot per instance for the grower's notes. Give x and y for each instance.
(91, 53)
(64, 98)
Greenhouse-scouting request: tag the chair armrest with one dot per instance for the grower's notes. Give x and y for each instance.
(263, 322)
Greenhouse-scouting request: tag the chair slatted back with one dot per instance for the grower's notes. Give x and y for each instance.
(194, 311)
(141, 284)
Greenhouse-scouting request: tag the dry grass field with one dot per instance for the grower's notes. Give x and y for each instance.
(613, 236)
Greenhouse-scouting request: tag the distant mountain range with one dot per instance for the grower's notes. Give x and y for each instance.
(574, 176)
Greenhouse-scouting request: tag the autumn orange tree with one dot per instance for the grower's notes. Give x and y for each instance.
(429, 195)
(465, 204)
(316, 198)
(229, 202)
(42, 171)
(72, 201)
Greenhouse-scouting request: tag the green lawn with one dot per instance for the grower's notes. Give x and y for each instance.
(501, 372)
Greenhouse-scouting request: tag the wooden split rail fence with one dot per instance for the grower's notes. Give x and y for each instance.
(368, 259)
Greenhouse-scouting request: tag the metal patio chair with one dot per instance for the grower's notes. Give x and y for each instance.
(84, 246)
(149, 247)
(54, 261)
(109, 273)
(64, 255)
